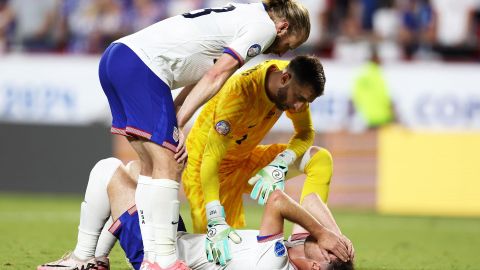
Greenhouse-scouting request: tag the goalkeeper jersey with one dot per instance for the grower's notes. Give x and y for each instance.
(242, 112)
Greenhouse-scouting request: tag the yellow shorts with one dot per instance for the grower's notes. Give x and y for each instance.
(234, 178)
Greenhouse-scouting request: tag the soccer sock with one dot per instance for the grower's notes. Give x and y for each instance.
(106, 241)
(165, 218)
(143, 196)
(95, 209)
(318, 170)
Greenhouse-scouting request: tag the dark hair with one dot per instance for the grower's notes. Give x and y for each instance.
(294, 12)
(340, 265)
(307, 70)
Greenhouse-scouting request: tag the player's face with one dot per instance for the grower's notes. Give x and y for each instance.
(292, 96)
(313, 253)
(284, 43)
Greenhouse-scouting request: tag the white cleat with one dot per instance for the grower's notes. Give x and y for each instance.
(70, 262)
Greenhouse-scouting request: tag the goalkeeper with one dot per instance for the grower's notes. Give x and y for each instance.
(224, 156)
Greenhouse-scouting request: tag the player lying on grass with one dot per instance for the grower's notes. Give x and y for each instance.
(224, 151)
(264, 249)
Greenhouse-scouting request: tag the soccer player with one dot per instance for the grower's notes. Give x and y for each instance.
(224, 151)
(198, 51)
(264, 249)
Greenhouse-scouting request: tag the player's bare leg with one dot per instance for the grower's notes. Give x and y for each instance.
(160, 192)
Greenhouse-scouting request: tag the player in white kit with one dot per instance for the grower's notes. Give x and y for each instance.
(198, 51)
(260, 249)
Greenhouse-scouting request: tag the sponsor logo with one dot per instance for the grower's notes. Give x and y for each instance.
(176, 134)
(222, 127)
(254, 50)
(279, 249)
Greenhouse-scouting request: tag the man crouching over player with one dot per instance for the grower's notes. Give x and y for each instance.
(310, 248)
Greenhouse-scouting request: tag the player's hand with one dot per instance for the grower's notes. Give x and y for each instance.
(219, 232)
(351, 250)
(267, 180)
(181, 151)
(335, 244)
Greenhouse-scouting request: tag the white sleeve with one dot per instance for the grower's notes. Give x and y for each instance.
(252, 40)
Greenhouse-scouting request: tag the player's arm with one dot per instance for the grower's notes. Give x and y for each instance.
(214, 152)
(272, 177)
(314, 205)
(304, 134)
(207, 87)
(252, 39)
(180, 98)
(280, 206)
(229, 111)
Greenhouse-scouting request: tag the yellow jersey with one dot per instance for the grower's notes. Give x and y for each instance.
(235, 121)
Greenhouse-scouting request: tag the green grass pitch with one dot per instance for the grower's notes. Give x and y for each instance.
(37, 228)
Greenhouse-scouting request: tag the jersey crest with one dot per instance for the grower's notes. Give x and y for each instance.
(222, 127)
(176, 134)
(279, 249)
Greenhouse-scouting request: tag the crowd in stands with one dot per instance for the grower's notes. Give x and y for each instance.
(341, 29)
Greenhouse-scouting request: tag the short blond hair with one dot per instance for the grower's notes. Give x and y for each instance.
(292, 11)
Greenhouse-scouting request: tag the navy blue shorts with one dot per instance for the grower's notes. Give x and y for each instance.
(127, 230)
(140, 102)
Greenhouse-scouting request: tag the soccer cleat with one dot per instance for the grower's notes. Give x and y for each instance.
(178, 265)
(69, 262)
(146, 265)
(103, 263)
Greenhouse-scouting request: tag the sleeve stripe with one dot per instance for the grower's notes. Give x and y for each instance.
(235, 55)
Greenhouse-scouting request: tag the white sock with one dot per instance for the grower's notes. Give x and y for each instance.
(106, 240)
(95, 209)
(143, 201)
(166, 234)
(161, 204)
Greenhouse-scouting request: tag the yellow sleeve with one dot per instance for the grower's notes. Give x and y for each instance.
(215, 150)
(228, 116)
(304, 132)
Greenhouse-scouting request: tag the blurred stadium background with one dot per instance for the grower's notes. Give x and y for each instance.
(406, 184)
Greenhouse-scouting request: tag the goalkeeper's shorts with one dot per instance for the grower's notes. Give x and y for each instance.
(234, 178)
(127, 229)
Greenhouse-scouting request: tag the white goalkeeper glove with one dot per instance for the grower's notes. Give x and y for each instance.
(271, 177)
(218, 232)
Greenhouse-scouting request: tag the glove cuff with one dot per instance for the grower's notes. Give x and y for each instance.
(287, 157)
(215, 210)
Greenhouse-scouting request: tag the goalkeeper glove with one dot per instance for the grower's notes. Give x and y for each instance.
(218, 232)
(271, 177)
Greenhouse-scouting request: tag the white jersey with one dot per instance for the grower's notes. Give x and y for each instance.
(250, 254)
(181, 49)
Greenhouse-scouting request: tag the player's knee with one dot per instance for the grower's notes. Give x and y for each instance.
(277, 196)
(319, 154)
(133, 168)
(105, 168)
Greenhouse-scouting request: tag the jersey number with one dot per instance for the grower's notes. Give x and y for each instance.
(201, 12)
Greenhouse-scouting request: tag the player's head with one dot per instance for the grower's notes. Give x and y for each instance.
(292, 23)
(300, 83)
(312, 252)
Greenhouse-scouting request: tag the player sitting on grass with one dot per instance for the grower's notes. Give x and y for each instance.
(309, 248)
(224, 149)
